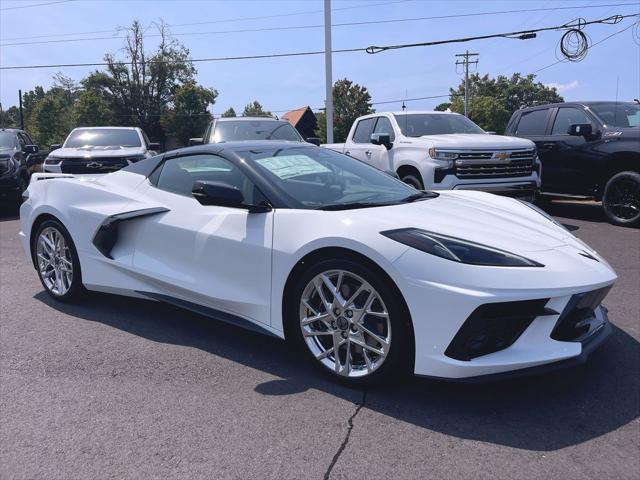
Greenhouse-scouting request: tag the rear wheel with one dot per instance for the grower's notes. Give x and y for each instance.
(621, 199)
(57, 261)
(349, 321)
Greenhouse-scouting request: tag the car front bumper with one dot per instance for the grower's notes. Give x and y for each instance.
(441, 304)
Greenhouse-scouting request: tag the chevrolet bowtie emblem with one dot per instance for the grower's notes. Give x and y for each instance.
(94, 165)
(502, 156)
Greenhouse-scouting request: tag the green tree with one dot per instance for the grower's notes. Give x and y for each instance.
(49, 120)
(350, 101)
(229, 113)
(188, 116)
(10, 118)
(142, 85)
(93, 110)
(254, 109)
(442, 107)
(493, 100)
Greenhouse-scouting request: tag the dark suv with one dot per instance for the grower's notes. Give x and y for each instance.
(588, 150)
(18, 158)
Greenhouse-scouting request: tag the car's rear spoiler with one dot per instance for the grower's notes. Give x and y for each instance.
(50, 176)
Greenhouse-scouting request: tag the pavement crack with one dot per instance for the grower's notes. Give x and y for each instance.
(344, 443)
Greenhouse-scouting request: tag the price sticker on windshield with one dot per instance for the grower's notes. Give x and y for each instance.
(291, 166)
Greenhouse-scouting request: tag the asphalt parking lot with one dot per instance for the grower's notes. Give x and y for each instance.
(123, 388)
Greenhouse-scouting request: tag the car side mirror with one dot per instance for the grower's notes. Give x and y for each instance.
(31, 149)
(223, 195)
(581, 130)
(55, 146)
(195, 141)
(314, 140)
(382, 139)
(154, 146)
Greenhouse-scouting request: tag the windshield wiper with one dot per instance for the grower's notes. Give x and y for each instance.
(352, 205)
(419, 196)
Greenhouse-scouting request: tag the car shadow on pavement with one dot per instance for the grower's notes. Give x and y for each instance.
(576, 210)
(542, 413)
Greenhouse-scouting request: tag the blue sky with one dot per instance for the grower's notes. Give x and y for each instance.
(287, 83)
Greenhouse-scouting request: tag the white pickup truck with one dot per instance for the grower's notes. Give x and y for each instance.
(444, 151)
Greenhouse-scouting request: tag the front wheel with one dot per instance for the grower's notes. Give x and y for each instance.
(414, 180)
(621, 199)
(57, 261)
(350, 322)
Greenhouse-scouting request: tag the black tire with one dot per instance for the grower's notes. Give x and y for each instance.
(399, 359)
(621, 199)
(75, 288)
(414, 180)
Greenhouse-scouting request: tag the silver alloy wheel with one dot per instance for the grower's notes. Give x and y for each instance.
(55, 264)
(345, 323)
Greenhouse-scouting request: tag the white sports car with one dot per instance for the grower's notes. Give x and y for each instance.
(369, 276)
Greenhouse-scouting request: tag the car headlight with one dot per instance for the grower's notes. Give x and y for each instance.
(457, 249)
(136, 158)
(52, 160)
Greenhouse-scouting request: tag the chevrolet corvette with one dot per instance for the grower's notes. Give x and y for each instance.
(368, 276)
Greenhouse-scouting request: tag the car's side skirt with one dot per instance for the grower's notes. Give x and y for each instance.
(208, 312)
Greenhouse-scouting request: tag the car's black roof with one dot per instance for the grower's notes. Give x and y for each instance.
(575, 104)
(145, 167)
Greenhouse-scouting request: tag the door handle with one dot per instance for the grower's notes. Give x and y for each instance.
(368, 153)
(549, 146)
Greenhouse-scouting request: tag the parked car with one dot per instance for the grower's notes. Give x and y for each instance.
(241, 129)
(369, 276)
(19, 157)
(589, 150)
(444, 151)
(96, 150)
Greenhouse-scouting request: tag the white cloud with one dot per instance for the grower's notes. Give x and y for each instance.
(564, 87)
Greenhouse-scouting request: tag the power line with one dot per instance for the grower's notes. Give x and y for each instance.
(36, 5)
(293, 27)
(588, 48)
(225, 20)
(524, 34)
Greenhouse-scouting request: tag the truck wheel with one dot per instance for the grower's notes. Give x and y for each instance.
(414, 180)
(621, 199)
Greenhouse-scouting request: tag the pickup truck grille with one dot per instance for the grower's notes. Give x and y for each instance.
(93, 165)
(479, 165)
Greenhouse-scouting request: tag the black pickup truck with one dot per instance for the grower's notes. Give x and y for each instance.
(588, 150)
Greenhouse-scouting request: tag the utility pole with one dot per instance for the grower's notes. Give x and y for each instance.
(465, 63)
(327, 70)
(21, 115)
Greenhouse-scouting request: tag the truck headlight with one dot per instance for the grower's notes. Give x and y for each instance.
(446, 159)
(52, 160)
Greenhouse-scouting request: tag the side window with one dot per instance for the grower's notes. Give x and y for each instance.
(532, 123)
(566, 117)
(384, 126)
(363, 130)
(177, 175)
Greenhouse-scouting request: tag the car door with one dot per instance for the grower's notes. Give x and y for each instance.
(534, 125)
(379, 156)
(214, 256)
(566, 165)
(360, 145)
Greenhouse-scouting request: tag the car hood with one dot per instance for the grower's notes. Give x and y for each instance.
(474, 141)
(479, 217)
(93, 152)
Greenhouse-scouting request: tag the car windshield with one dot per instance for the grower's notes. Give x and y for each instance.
(618, 115)
(103, 137)
(7, 140)
(419, 124)
(318, 178)
(241, 130)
